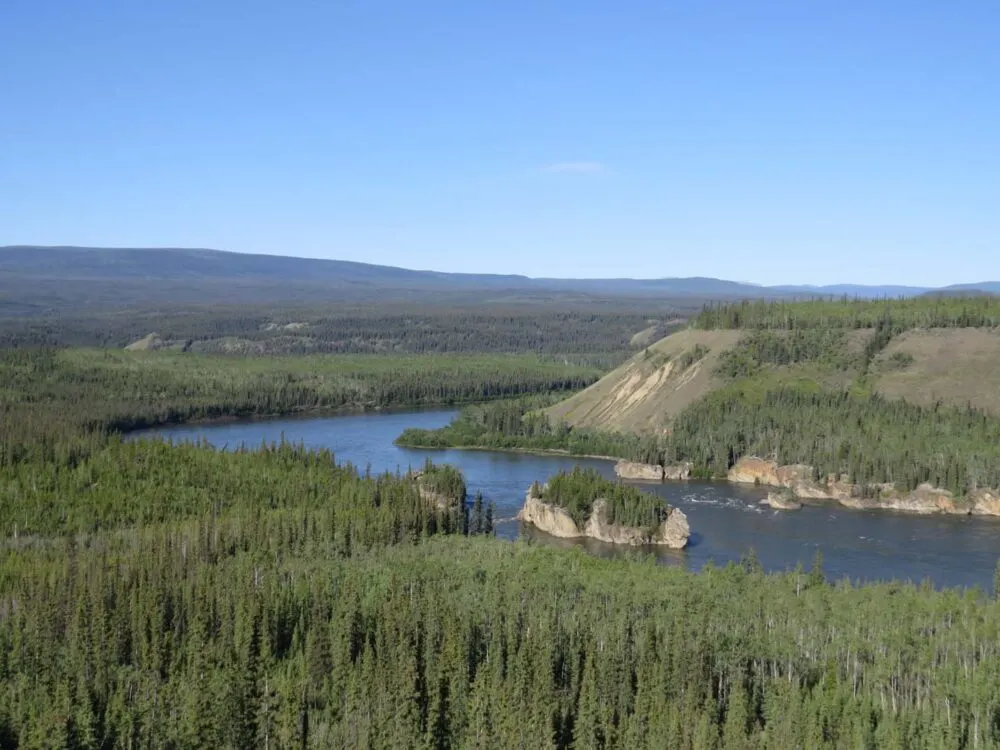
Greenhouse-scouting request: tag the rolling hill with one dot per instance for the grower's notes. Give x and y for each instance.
(953, 361)
(36, 280)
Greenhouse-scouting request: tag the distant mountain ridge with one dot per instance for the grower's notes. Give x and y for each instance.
(178, 274)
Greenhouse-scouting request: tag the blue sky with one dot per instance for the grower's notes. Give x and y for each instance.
(765, 141)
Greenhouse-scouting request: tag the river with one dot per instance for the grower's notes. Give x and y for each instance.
(725, 519)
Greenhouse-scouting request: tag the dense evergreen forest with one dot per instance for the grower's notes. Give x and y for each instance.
(598, 331)
(48, 392)
(277, 628)
(871, 438)
(915, 312)
(176, 596)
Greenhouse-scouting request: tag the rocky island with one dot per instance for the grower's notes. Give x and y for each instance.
(581, 503)
(781, 499)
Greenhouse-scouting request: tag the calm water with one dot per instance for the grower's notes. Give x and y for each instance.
(725, 519)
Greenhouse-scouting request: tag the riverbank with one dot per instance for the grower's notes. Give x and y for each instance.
(290, 416)
(526, 451)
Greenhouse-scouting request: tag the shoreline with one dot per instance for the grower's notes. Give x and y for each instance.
(312, 413)
(322, 412)
(528, 451)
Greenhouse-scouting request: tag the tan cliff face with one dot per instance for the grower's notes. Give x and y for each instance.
(651, 472)
(798, 479)
(673, 532)
(985, 502)
(549, 518)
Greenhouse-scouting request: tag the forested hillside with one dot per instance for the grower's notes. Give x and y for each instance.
(801, 383)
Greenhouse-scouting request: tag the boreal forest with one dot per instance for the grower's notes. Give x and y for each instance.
(159, 595)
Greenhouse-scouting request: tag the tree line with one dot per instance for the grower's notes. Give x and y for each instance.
(49, 394)
(981, 311)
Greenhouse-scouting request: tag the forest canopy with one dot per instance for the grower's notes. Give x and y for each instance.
(177, 596)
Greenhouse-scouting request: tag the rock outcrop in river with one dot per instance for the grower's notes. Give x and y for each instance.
(781, 499)
(651, 472)
(552, 519)
(800, 481)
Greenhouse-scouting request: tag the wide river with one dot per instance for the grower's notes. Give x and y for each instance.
(725, 519)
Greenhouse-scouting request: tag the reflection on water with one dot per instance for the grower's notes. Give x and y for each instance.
(726, 519)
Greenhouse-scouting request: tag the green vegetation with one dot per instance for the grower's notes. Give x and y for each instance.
(170, 597)
(577, 490)
(690, 356)
(598, 332)
(259, 631)
(53, 392)
(899, 361)
(918, 312)
(520, 424)
(134, 484)
(871, 438)
(825, 346)
(443, 480)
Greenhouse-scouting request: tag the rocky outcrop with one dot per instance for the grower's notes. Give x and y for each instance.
(549, 518)
(753, 470)
(677, 471)
(985, 502)
(781, 500)
(651, 472)
(799, 480)
(673, 532)
(796, 477)
(437, 499)
(632, 470)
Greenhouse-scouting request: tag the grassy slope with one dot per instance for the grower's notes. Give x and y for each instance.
(956, 365)
(647, 391)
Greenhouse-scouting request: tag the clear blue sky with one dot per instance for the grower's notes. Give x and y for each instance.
(792, 141)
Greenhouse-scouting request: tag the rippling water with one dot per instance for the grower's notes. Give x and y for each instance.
(725, 519)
